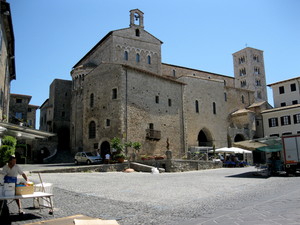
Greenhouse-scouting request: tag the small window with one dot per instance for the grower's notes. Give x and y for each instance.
(281, 90)
(107, 122)
(92, 130)
(149, 59)
(157, 99)
(151, 126)
(197, 106)
(174, 73)
(243, 99)
(258, 83)
(255, 58)
(282, 104)
(274, 135)
(287, 133)
(19, 115)
(259, 94)
(214, 108)
(29, 110)
(92, 100)
(243, 72)
(95, 145)
(225, 97)
(296, 118)
(256, 70)
(63, 114)
(114, 93)
(137, 58)
(295, 102)
(137, 32)
(293, 87)
(273, 122)
(285, 120)
(170, 102)
(18, 100)
(126, 55)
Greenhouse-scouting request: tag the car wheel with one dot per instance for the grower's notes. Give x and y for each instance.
(88, 162)
(76, 162)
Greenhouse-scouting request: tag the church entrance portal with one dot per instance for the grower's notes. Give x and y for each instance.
(204, 139)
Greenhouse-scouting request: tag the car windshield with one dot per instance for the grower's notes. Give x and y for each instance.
(89, 154)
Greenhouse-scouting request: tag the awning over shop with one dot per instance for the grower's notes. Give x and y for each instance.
(249, 144)
(270, 148)
(270, 144)
(23, 132)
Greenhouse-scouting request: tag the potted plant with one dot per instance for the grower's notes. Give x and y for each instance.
(119, 147)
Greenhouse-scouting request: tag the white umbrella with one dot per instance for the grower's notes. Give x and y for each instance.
(230, 150)
(223, 150)
(239, 150)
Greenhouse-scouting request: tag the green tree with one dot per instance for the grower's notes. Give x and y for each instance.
(7, 149)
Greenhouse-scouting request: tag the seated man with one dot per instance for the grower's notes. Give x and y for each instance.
(10, 172)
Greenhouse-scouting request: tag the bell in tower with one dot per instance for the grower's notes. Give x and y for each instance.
(136, 18)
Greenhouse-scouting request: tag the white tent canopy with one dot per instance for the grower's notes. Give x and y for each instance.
(233, 150)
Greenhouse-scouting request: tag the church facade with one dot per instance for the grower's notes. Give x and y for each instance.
(121, 88)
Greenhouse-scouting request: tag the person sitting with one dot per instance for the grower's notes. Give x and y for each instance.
(11, 171)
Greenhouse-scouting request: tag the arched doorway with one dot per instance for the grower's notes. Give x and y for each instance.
(204, 138)
(239, 137)
(104, 149)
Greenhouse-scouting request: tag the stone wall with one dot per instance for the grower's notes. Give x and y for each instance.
(178, 165)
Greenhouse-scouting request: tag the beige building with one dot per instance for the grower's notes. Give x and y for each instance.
(284, 119)
(21, 112)
(120, 88)
(286, 92)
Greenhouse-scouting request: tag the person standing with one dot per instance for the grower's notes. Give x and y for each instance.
(11, 171)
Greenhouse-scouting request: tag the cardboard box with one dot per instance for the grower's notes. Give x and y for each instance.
(24, 190)
(9, 193)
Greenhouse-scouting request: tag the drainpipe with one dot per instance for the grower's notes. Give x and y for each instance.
(126, 104)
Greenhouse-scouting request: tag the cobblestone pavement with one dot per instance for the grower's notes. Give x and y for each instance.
(220, 196)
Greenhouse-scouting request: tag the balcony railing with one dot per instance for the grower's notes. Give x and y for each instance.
(153, 134)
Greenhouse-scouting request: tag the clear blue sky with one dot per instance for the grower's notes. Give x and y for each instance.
(52, 36)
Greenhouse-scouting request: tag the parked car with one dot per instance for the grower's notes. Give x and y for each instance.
(87, 157)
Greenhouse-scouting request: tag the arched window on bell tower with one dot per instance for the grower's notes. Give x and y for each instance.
(136, 18)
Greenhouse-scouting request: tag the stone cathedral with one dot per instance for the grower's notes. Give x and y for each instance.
(121, 88)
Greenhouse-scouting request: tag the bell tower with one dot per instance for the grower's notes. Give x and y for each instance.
(136, 18)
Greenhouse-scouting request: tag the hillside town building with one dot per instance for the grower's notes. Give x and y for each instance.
(121, 88)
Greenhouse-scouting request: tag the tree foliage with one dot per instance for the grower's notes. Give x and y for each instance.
(7, 149)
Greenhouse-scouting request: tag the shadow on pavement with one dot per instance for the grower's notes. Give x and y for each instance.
(252, 174)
